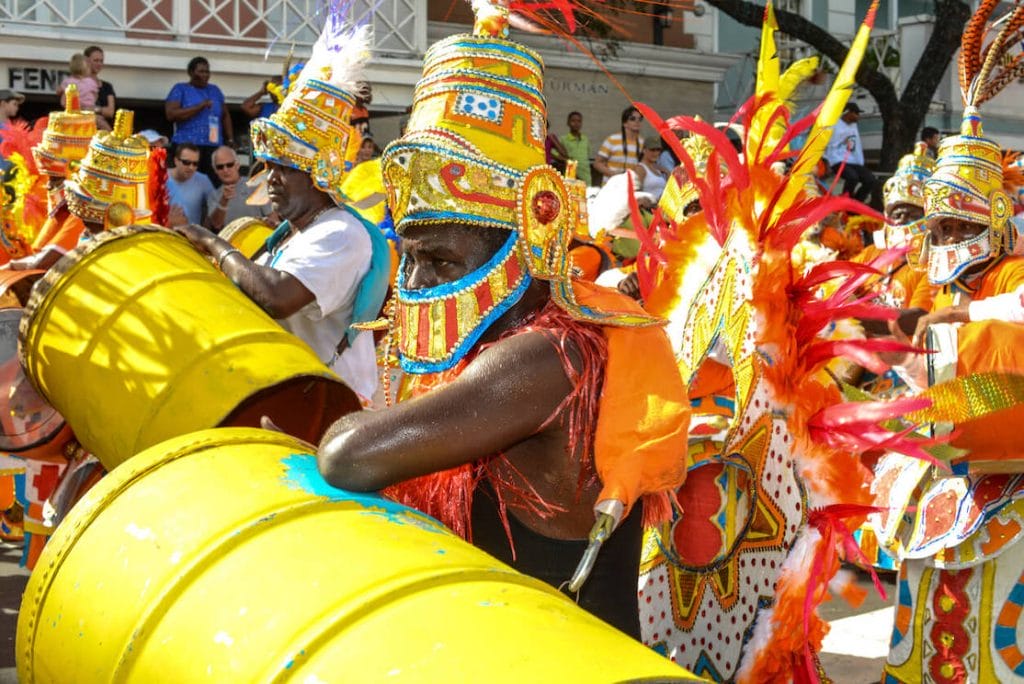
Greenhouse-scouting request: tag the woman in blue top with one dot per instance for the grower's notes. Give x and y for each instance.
(199, 114)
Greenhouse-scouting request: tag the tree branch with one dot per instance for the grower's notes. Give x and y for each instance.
(752, 14)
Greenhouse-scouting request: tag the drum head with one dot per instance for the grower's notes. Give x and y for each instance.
(26, 420)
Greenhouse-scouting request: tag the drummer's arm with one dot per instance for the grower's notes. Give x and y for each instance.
(504, 396)
(41, 260)
(278, 293)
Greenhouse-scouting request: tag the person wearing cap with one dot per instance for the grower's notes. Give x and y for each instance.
(845, 155)
(324, 268)
(522, 396)
(10, 101)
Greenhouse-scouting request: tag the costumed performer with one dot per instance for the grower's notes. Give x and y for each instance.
(730, 586)
(324, 267)
(525, 413)
(64, 144)
(958, 533)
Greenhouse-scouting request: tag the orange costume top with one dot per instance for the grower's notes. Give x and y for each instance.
(61, 229)
(909, 287)
(984, 346)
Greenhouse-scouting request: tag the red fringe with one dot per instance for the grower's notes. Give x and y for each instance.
(448, 495)
(159, 200)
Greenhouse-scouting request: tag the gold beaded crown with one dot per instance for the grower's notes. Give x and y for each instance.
(906, 186)
(477, 126)
(967, 182)
(66, 138)
(311, 131)
(115, 170)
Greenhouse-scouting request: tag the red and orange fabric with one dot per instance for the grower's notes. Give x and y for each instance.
(62, 229)
(640, 447)
(639, 438)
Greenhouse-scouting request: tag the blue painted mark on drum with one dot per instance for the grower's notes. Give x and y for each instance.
(301, 473)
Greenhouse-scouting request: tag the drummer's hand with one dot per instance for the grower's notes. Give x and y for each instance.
(23, 264)
(200, 237)
(951, 314)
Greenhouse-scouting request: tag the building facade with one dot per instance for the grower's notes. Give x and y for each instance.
(147, 44)
(902, 29)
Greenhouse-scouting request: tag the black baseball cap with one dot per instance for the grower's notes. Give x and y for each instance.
(852, 107)
(8, 94)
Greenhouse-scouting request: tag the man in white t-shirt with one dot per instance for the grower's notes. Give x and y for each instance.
(325, 267)
(845, 155)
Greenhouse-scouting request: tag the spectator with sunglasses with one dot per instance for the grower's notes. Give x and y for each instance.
(188, 189)
(620, 151)
(231, 201)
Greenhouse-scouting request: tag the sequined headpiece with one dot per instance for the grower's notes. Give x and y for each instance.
(114, 172)
(906, 186)
(311, 130)
(967, 183)
(473, 154)
(67, 136)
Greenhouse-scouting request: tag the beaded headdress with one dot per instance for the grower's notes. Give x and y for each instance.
(473, 154)
(967, 183)
(311, 131)
(67, 136)
(906, 186)
(113, 174)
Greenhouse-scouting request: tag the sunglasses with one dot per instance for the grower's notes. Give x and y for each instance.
(635, 117)
(221, 167)
(188, 162)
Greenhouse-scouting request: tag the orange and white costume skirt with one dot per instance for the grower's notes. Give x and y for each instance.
(960, 593)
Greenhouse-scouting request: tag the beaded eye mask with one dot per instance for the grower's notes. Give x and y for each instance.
(438, 325)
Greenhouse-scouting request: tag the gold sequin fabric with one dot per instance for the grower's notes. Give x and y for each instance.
(971, 397)
(114, 170)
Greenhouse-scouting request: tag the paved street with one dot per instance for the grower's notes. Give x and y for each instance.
(12, 583)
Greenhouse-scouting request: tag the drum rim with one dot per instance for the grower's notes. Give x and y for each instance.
(241, 223)
(46, 284)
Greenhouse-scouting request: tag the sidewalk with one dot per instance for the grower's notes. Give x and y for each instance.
(12, 583)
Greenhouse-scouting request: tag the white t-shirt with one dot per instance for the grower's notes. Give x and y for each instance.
(844, 145)
(330, 258)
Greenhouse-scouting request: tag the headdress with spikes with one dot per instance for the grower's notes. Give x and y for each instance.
(311, 131)
(967, 183)
(67, 137)
(113, 176)
(473, 154)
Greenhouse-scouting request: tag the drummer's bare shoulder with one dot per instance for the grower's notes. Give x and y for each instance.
(504, 397)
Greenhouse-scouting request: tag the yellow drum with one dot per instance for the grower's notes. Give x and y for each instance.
(135, 338)
(223, 556)
(247, 234)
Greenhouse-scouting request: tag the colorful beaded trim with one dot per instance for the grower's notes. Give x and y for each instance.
(438, 325)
